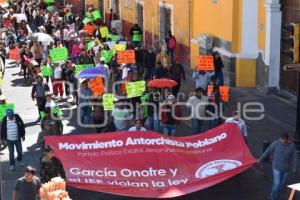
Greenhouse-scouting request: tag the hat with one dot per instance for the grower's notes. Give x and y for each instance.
(30, 169)
(171, 97)
(102, 59)
(9, 112)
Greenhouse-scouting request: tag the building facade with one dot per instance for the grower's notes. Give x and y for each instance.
(247, 33)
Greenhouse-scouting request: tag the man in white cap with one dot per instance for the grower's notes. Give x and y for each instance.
(105, 68)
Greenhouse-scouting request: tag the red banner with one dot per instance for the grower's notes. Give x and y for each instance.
(147, 164)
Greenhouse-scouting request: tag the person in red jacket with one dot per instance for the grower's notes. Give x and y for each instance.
(169, 116)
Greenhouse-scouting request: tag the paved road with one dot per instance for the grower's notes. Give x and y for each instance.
(250, 185)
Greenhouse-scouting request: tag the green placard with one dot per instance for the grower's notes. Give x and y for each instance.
(113, 38)
(42, 114)
(135, 89)
(104, 32)
(68, 14)
(96, 14)
(108, 101)
(51, 9)
(137, 37)
(79, 68)
(107, 55)
(46, 71)
(57, 111)
(59, 54)
(90, 45)
(4, 107)
(86, 20)
(49, 1)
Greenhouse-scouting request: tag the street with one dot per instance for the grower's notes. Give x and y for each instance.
(251, 184)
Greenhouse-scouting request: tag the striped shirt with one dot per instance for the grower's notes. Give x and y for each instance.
(12, 130)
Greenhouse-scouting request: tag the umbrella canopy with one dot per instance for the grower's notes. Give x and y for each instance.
(91, 72)
(41, 37)
(162, 83)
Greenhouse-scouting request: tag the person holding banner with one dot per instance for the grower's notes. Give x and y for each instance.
(284, 159)
(202, 79)
(138, 126)
(236, 118)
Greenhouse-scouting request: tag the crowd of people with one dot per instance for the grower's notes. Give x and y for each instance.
(156, 109)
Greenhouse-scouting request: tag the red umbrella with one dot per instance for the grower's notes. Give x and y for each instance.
(162, 83)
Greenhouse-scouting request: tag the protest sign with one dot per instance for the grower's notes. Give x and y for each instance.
(86, 20)
(210, 90)
(113, 38)
(59, 54)
(126, 57)
(14, 54)
(96, 14)
(79, 68)
(104, 31)
(224, 91)
(57, 111)
(97, 86)
(90, 45)
(135, 89)
(205, 63)
(108, 101)
(151, 165)
(119, 47)
(42, 114)
(89, 29)
(46, 71)
(107, 55)
(4, 107)
(137, 38)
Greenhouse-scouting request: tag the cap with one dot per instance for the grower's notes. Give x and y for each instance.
(9, 112)
(102, 59)
(171, 97)
(30, 169)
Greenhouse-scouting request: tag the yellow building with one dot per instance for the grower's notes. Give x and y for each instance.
(246, 32)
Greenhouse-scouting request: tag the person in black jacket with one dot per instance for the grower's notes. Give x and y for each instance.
(12, 131)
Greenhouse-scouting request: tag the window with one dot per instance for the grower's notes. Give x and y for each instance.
(115, 5)
(140, 15)
(165, 21)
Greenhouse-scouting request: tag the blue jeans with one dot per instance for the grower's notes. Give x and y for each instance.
(154, 124)
(196, 126)
(11, 149)
(169, 129)
(86, 114)
(279, 182)
(213, 123)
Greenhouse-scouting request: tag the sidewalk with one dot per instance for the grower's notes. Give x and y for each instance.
(279, 116)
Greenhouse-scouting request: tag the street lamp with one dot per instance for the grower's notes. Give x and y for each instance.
(296, 68)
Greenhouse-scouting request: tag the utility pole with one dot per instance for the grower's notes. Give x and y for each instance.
(296, 68)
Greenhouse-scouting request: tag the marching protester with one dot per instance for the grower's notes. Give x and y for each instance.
(284, 157)
(198, 104)
(138, 126)
(51, 166)
(12, 132)
(236, 118)
(27, 187)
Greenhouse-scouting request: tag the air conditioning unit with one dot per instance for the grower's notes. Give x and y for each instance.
(117, 24)
(206, 41)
